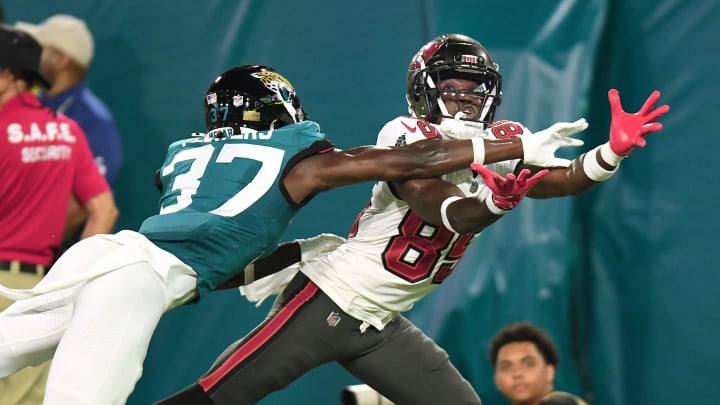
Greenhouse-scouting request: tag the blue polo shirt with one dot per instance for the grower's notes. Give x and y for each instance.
(94, 117)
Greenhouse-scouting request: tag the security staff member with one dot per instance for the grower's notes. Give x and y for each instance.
(44, 159)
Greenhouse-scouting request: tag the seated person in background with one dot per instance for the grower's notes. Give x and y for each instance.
(525, 360)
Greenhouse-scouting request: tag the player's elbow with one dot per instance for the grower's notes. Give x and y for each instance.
(464, 228)
(470, 216)
(467, 226)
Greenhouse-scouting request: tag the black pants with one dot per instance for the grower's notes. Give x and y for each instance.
(306, 329)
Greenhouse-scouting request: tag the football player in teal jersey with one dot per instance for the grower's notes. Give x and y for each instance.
(227, 197)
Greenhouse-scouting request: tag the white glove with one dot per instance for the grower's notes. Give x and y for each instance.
(317, 245)
(539, 148)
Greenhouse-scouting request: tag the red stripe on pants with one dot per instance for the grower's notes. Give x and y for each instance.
(260, 338)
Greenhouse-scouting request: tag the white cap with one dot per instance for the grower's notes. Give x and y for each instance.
(69, 35)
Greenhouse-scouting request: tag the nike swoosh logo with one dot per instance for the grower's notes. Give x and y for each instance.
(411, 129)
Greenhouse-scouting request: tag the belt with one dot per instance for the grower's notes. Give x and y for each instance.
(16, 266)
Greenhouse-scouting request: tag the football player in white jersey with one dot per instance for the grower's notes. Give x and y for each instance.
(346, 305)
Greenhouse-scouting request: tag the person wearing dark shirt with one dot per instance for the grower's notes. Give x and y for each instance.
(68, 51)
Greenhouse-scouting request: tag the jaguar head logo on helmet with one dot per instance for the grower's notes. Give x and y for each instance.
(453, 82)
(251, 96)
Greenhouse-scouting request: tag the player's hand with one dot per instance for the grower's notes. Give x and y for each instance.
(539, 148)
(628, 131)
(317, 245)
(507, 192)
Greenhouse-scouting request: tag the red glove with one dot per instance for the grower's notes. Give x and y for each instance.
(628, 131)
(508, 191)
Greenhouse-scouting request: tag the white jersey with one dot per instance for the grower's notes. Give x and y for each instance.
(393, 258)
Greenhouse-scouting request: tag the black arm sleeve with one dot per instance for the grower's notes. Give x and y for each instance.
(285, 255)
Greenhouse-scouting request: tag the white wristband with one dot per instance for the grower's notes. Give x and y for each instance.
(478, 150)
(607, 154)
(592, 168)
(443, 212)
(492, 207)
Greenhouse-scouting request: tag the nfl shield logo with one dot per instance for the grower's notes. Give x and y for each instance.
(333, 319)
(237, 100)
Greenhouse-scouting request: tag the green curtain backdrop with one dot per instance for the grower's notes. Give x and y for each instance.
(623, 278)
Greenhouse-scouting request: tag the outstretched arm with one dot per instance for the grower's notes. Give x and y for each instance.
(627, 132)
(424, 159)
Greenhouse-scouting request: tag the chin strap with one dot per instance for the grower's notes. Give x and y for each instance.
(290, 109)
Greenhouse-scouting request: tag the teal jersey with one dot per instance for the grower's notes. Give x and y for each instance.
(223, 203)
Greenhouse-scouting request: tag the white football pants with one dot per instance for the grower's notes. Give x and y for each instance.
(99, 328)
